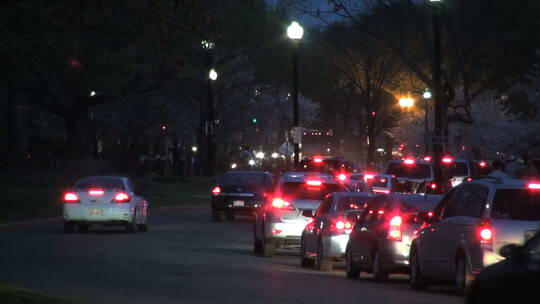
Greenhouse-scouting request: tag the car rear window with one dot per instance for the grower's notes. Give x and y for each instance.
(378, 182)
(516, 204)
(347, 203)
(300, 190)
(326, 166)
(414, 171)
(455, 169)
(243, 179)
(100, 182)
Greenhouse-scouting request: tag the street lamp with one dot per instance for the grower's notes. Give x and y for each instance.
(208, 46)
(92, 93)
(212, 74)
(295, 33)
(194, 148)
(406, 102)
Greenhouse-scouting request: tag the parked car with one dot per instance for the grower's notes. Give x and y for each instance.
(470, 226)
(380, 240)
(240, 192)
(279, 224)
(513, 280)
(324, 240)
(107, 201)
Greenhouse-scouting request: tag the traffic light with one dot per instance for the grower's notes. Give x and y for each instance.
(254, 120)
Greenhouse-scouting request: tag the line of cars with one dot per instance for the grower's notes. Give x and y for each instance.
(435, 239)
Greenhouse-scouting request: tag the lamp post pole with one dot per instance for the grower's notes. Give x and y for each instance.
(439, 111)
(209, 164)
(296, 120)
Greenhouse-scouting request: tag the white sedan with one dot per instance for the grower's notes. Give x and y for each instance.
(104, 200)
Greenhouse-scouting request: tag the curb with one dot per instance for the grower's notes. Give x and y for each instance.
(19, 225)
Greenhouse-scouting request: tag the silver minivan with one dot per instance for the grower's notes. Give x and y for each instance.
(470, 225)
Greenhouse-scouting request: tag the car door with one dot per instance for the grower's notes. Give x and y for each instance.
(429, 243)
(311, 235)
(367, 236)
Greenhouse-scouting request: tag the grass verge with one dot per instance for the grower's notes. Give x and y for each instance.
(10, 294)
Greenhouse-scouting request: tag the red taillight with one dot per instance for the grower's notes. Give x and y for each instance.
(382, 180)
(96, 192)
(314, 183)
(380, 212)
(486, 235)
(343, 226)
(483, 164)
(216, 190)
(368, 176)
(276, 231)
(430, 214)
(342, 177)
(381, 191)
(433, 186)
(317, 160)
(427, 158)
(71, 197)
(447, 160)
(121, 197)
(394, 229)
(534, 186)
(280, 204)
(408, 161)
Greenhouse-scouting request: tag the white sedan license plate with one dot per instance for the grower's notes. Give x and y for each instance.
(238, 203)
(96, 211)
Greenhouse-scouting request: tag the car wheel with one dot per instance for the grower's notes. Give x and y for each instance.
(352, 271)
(216, 217)
(322, 263)
(416, 278)
(377, 272)
(144, 227)
(131, 226)
(229, 215)
(69, 227)
(257, 243)
(268, 246)
(304, 261)
(463, 276)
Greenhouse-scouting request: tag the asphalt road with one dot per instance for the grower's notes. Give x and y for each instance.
(184, 258)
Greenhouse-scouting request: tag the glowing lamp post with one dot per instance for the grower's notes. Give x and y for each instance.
(295, 33)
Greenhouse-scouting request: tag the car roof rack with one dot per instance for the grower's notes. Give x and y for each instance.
(494, 179)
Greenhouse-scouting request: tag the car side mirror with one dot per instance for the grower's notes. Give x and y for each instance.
(510, 251)
(307, 213)
(425, 217)
(353, 217)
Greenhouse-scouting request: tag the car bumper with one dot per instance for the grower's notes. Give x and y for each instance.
(97, 213)
(395, 254)
(236, 203)
(284, 231)
(336, 245)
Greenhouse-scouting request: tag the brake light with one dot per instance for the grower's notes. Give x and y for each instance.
(408, 161)
(394, 229)
(485, 234)
(368, 176)
(280, 204)
(534, 186)
(482, 164)
(121, 197)
(216, 190)
(380, 212)
(317, 160)
(314, 183)
(96, 192)
(427, 158)
(383, 180)
(342, 177)
(71, 197)
(447, 160)
(276, 231)
(381, 191)
(343, 226)
(430, 214)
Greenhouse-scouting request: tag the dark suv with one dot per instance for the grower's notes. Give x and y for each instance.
(240, 191)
